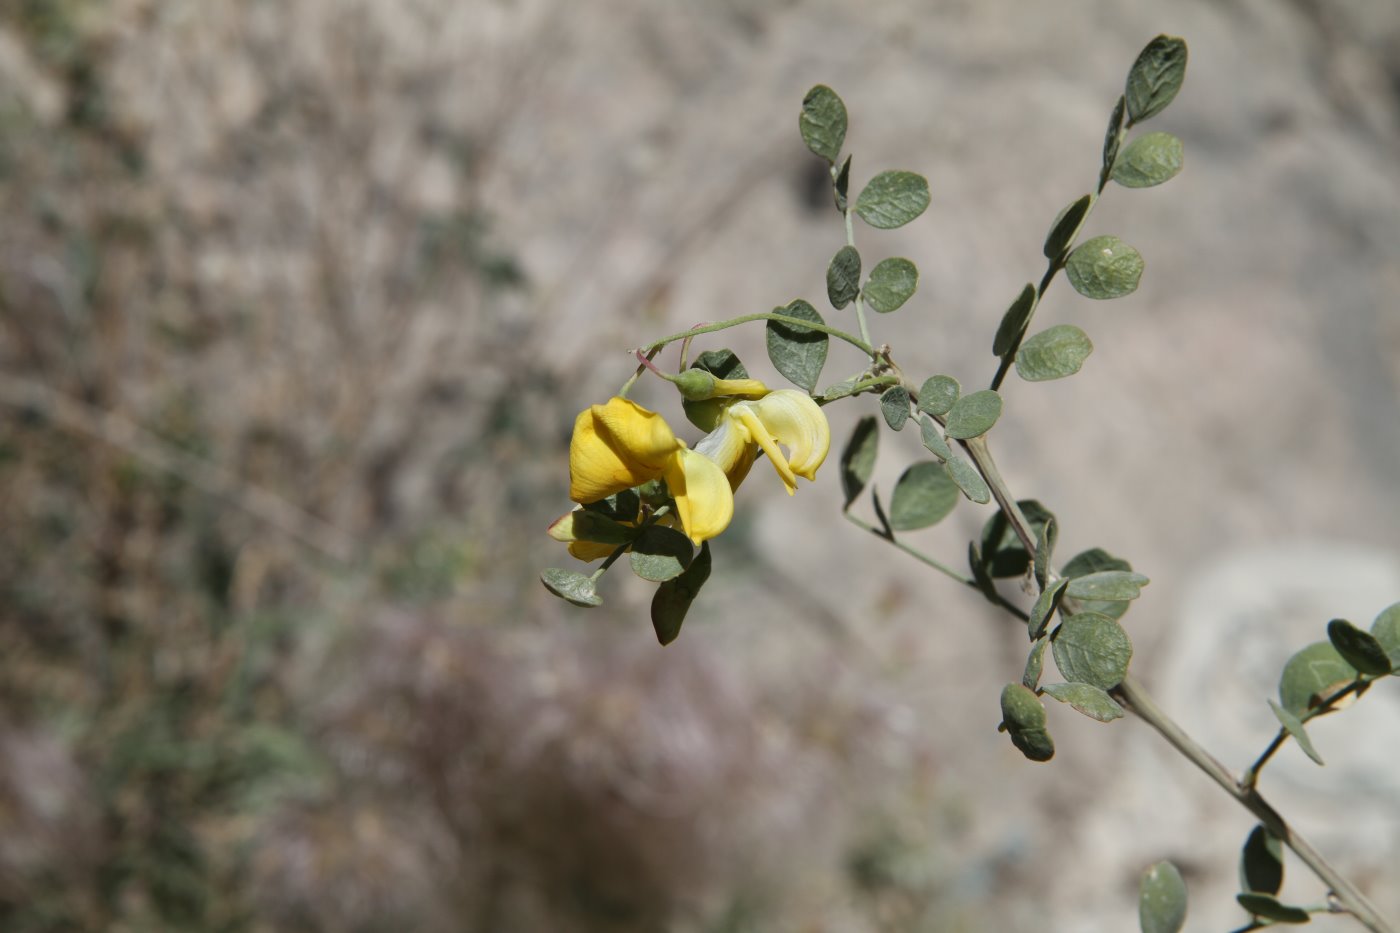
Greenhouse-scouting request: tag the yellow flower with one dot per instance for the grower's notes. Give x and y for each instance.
(785, 417)
(621, 445)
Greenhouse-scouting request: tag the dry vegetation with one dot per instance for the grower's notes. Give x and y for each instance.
(271, 653)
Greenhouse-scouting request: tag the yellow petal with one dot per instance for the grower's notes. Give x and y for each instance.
(748, 388)
(799, 424)
(730, 446)
(590, 550)
(615, 447)
(704, 500)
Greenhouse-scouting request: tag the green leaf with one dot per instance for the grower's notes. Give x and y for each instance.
(823, 122)
(894, 405)
(1104, 267)
(858, 459)
(1053, 353)
(1268, 907)
(1092, 561)
(1001, 549)
(594, 526)
(880, 513)
(1162, 899)
(1113, 136)
(985, 585)
(1311, 674)
(892, 282)
(1108, 585)
(1087, 699)
(1149, 160)
(892, 199)
(842, 389)
(722, 364)
(1035, 663)
(843, 277)
(1294, 727)
(1066, 227)
(1155, 78)
(1091, 648)
(673, 598)
(1045, 605)
(973, 415)
(799, 353)
(660, 554)
(968, 479)
(841, 187)
(938, 393)
(1014, 321)
(1261, 862)
(570, 585)
(1360, 649)
(923, 496)
(1386, 628)
(1044, 550)
(932, 439)
(1023, 717)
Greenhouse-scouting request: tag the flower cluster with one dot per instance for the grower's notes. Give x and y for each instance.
(621, 446)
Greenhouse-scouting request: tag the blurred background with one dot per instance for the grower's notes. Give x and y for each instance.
(298, 301)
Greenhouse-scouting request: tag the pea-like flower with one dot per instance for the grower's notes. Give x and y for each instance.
(785, 417)
(621, 445)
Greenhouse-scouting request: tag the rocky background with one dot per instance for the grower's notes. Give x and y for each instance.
(298, 300)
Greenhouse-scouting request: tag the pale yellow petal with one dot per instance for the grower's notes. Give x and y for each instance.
(704, 500)
(799, 424)
(758, 431)
(615, 447)
(747, 388)
(728, 445)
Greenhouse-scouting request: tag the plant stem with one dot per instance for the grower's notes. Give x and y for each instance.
(1328, 705)
(1137, 700)
(780, 318)
(860, 299)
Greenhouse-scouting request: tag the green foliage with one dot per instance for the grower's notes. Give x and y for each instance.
(843, 277)
(1065, 229)
(672, 599)
(1293, 725)
(1087, 699)
(923, 496)
(1267, 907)
(799, 353)
(973, 415)
(892, 199)
(1312, 674)
(1155, 78)
(1091, 648)
(660, 554)
(894, 405)
(1053, 354)
(823, 122)
(1104, 267)
(938, 394)
(1261, 862)
(1162, 899)
(1014, 321)
(1149, 160)
(1359, 649)
(892, 283)
(858, 458)
(1023, 718)
(570, 585)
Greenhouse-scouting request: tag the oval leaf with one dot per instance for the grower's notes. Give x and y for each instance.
(1113, 136)
(799, 353)
(968, 479)
(1268, 907)
(660, 554)
(1109, 585)
(1311, 674)
(673, 598)
(1386, 629)
(1091, 648)
(1294, 727)
(572, 586)
(891, 284)
(892, 199)
(973, 415)
(1149, 160)
(842, 185)
(1104, 267)
(843, 277)
(1162, 899)
(823, 122)
(933, 440)
(894, 405)
(1023, 717)
(1155, 78)
(1360, 649)
(938, 393)
(923, 496)
(1014, 321)
(1045, 606)
(1001, 549)
(858, 459)
(1261, 862)
(1066, 227)
(1087, 699)
(1053, 354)
(1035, 663)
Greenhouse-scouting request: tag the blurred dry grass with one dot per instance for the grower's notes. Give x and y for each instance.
(265, 442)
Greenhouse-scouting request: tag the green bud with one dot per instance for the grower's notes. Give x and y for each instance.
(695, 384)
